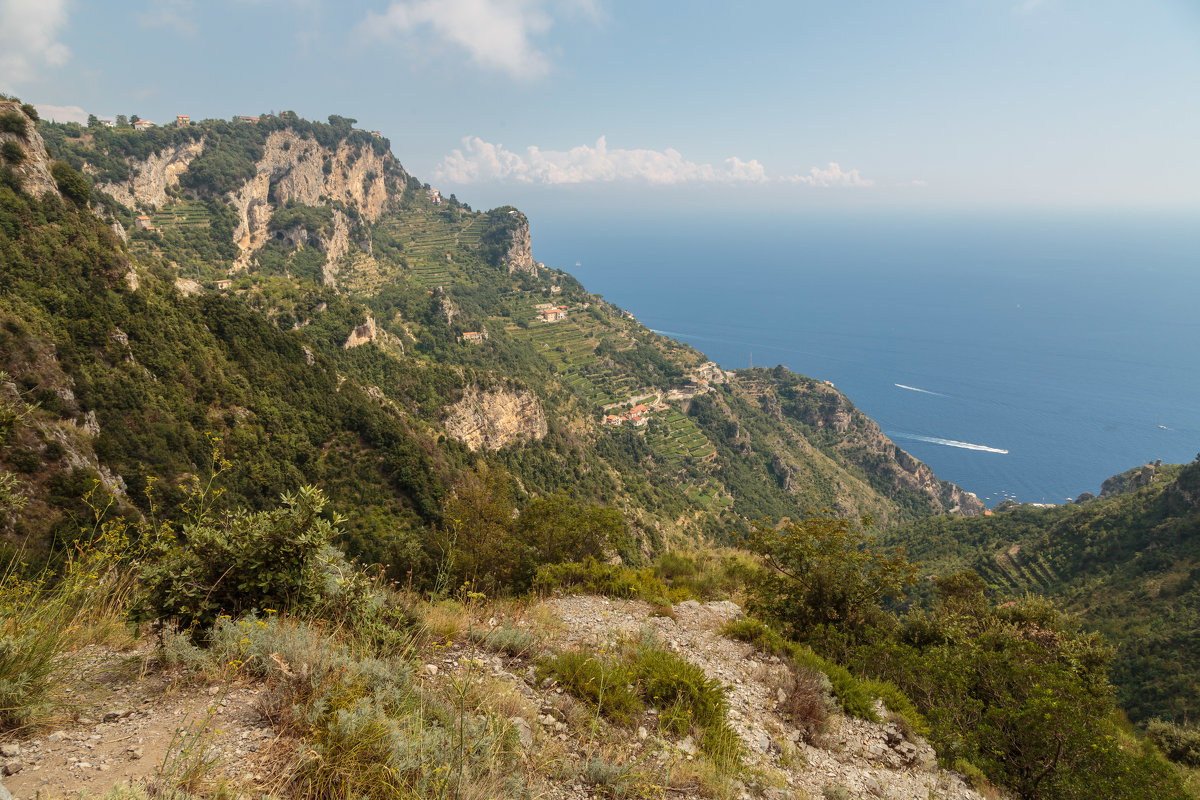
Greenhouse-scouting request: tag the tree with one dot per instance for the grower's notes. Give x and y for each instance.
(71, 183)
(556, 529)
(93, 121)
(122, 121)
(823, 571)
(478, 513)
(134, 118)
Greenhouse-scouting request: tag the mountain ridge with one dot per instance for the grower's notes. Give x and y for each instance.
(417, 302)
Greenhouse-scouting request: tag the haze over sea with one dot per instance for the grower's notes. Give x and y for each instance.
(1025, 357)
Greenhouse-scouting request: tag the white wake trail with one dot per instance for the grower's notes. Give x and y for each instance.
(983, 448)
(915, 389)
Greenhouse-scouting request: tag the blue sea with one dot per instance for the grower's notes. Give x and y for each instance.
(1023, 357)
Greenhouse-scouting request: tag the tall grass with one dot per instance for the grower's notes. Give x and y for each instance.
(44, 620)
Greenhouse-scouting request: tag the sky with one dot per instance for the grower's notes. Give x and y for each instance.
(937, 104)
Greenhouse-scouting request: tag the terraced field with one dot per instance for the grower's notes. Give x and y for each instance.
(185, 214)
(1018, 571)
(433, 247)
(570, 347)
(679, 440)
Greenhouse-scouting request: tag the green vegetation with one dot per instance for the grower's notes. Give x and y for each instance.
(1015, 690)
(622, 684)
(113, 397)
(1127, 562)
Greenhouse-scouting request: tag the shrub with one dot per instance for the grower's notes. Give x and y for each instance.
(1179, 743)
(600, 680)
(13, 122)
(680, 689)
(594, 577)
(809, 702)
(507, 640)
(855, 696)
(903, 710)
(238, 562)
(40, 625)
(71, 183)
(12, 152)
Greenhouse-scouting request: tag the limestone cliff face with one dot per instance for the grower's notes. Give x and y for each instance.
(519, 256)
(152, 177)
(294, 168)
(34, 170)
(492, 419)
(860, 441)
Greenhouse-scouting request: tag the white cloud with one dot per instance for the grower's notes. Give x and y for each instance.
(62, 113)
(174, 14)
(483, 161)
(478, 161)
(830, 176)
(29, 38)
(497, 34)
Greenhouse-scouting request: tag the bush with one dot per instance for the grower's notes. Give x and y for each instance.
(507, 640)
(855, 696)
(600, 680)
(71, 183)
(1178, 743)
(41, 625)
(809, 702)
(13, 122)
(680, 690)
(594, 577)
(237, 563)
(12, 153)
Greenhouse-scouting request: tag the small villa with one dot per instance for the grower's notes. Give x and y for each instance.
(474, 337)
(223, 284)
(552, 314)
(245, 119)
(182, 120)
(143, 223)
(143, 125)
(612, 419)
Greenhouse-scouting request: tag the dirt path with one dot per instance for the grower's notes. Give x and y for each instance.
(132, 725)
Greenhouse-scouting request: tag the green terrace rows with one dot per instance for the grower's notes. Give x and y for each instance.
(678, 438)
(1018, 571)
(571, 350)
(185, 214)
(707, 494)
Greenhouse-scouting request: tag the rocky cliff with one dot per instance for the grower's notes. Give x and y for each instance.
(490, 420)
(296, 168)
(858, 439)
(150, 179)
(519, 256)
(34, 169)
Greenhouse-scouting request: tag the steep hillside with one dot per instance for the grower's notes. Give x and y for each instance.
(287, 288)
(1128, 562)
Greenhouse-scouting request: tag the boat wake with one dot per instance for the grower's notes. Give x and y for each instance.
(983, 448)
(915, 389)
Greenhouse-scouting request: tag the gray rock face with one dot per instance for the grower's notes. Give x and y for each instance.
(491, 420)
(519, 257)
(34, 171)
(151, 178)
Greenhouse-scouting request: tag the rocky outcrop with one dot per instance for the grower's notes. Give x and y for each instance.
(294, 168)
(849, 757)
(489, 420)
(861, 443)
(362, 334)
(34, 169)
(519, 256)
(151, 178)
